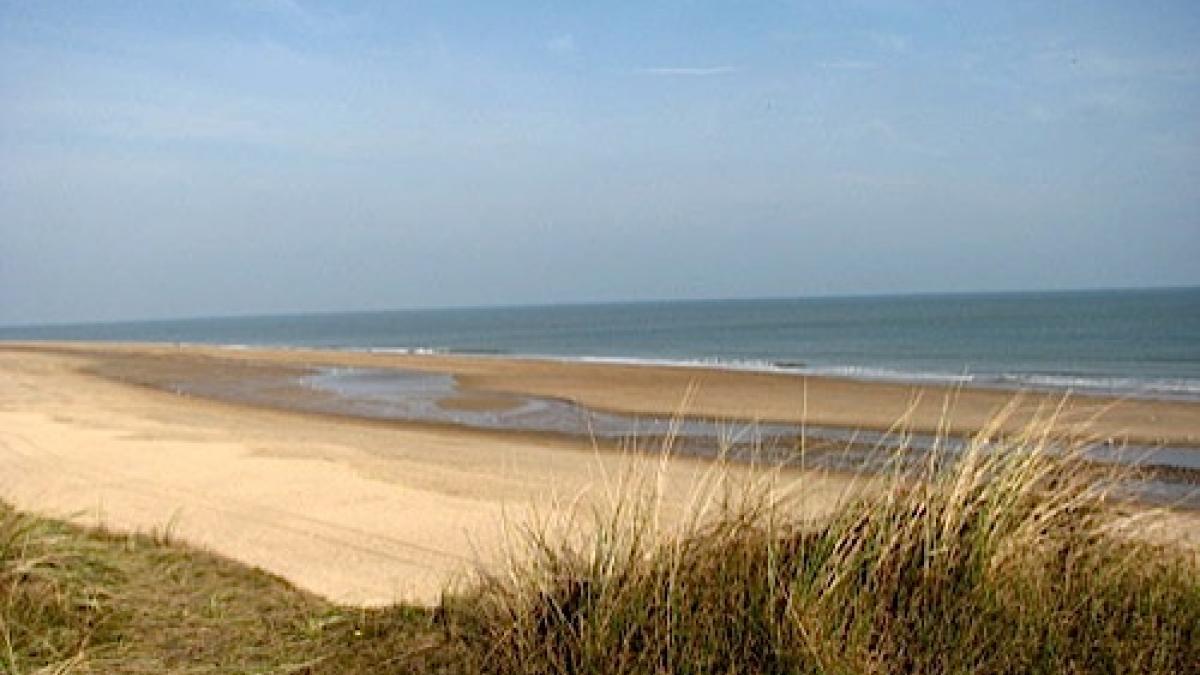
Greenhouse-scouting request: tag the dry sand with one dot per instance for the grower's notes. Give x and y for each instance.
(360, 512)
(369, 512)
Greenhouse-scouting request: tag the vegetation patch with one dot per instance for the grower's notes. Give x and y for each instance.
(1007, 558)
(77, 601)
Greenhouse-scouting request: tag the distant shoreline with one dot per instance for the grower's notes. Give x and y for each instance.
(660, 388)
(1062, 384)
(1142, 344)
(1013, 383)
(832, 297)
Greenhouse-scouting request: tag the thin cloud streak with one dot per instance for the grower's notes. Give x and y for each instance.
(561, 44)
(674, 71)
(322, 20)
(848, 64)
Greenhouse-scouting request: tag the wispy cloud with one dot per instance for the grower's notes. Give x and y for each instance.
(284, 8)
(876, 181)
(296, 13)
(883, 133)
(687, 71)
(1042, 114)
(1102, 65)
(893, 42)
(561, 44)
(848, 64)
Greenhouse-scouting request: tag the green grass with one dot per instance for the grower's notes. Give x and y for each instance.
(1008, 559)
(77, 601)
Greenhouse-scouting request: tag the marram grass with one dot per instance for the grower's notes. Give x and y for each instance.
(1004, 558)
(77, 601)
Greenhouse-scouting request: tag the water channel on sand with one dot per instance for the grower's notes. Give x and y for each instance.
(1167, 475)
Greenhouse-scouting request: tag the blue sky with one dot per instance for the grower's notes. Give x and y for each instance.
(164, 159)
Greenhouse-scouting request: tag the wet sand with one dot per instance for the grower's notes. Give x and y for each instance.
(701, 392)
(370, 512)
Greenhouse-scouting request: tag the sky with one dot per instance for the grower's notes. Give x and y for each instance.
(171, 159)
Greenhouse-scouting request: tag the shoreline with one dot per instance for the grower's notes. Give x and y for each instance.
(719, 393)
(1012, 383)
(1057, 384)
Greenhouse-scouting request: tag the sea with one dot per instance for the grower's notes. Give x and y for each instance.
(1129, 343)
(1137, 343)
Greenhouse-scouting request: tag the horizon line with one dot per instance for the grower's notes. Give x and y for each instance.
(588, 303)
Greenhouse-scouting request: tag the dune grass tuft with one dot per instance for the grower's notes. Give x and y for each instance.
(1006, 557)
(53, 601)
(85, 601)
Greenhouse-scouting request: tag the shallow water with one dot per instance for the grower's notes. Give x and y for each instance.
(418, 396)
(1171, 475)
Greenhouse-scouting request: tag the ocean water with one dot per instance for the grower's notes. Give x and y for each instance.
(1135, 343)
(1128, 342)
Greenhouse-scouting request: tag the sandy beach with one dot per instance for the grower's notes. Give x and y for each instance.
(702, 392)
(370, 512)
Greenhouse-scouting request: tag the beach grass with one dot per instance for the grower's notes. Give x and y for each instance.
(1008, 557)
(1005, 558)
(74, 600)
